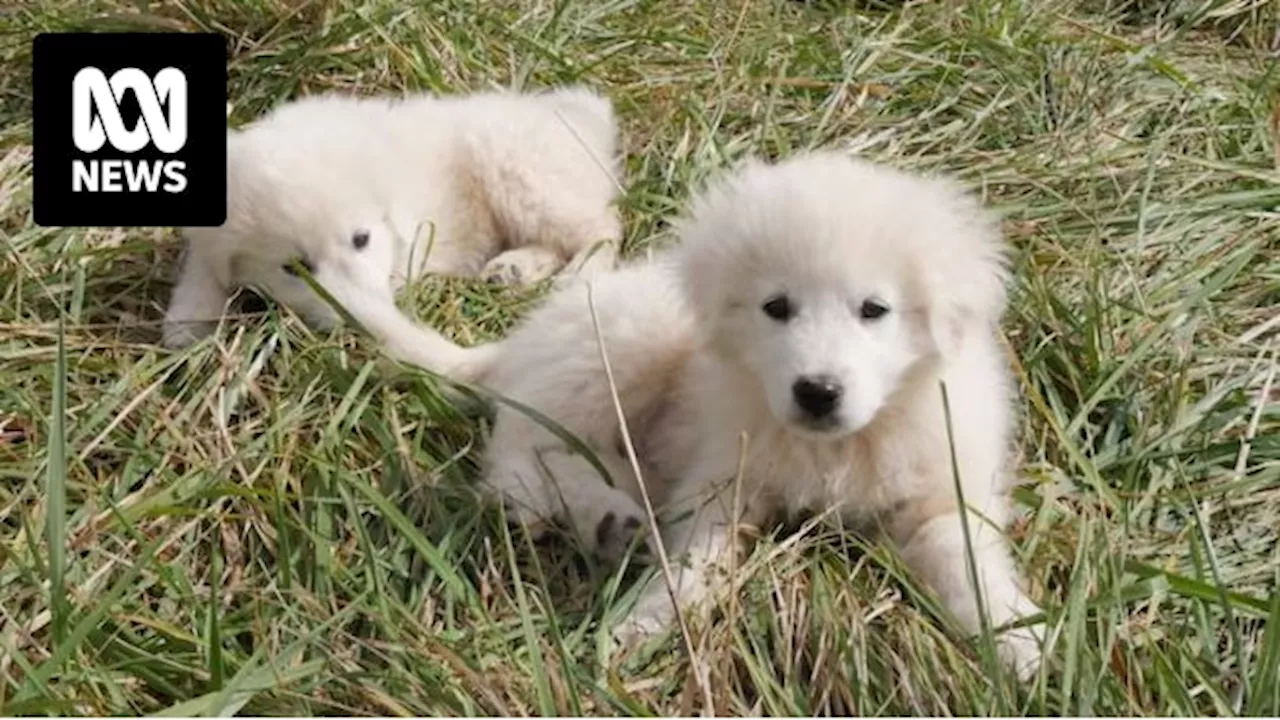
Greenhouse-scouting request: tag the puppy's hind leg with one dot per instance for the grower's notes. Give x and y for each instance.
(197, 301)
(560, 205)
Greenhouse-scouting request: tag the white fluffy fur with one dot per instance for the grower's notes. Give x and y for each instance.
(706, 378)
(511, 186)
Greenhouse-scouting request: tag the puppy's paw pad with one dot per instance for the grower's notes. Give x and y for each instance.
(501, 273)
(617, 532)
(522, 266)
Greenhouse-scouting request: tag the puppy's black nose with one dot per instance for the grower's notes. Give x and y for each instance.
(817, 395)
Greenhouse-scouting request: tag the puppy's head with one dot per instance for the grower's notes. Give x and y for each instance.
(348, 259)
(283, 207)
(832, 283)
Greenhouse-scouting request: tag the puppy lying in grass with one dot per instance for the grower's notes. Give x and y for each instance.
(785, 354)
(369, 192)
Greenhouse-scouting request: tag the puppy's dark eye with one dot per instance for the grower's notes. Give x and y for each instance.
(288, 267)
(873, 309)
(779, 308)
(360, 239)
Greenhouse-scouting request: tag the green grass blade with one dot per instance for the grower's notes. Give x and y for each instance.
(213, 631)
(56, 492)
(1265, 698)
(538, 664)
(458, 589)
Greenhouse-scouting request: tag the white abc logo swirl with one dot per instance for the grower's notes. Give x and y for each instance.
(91, 88)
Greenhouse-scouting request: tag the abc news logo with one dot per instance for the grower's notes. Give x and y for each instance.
(166, 128)
(130, 129)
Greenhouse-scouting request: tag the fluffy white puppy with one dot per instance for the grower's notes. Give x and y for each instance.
(368, 192)
(787, 352)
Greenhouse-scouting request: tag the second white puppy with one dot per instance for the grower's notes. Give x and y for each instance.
(367, 192)
(786, 353)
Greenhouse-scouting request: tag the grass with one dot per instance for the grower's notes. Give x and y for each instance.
(271, 523)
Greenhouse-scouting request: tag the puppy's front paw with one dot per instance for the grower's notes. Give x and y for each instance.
(652, 616)
(1019, 649)
(178, 334)
(640, 625)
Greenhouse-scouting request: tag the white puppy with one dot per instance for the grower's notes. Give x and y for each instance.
(368, 192)
(787, 352)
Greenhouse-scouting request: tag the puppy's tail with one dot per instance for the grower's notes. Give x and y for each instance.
(407, 341)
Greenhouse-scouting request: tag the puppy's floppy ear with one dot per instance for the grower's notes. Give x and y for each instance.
(944, 331)
(716, 231)
(967, 277)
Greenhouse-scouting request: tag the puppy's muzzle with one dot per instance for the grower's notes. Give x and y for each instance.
(817, 395)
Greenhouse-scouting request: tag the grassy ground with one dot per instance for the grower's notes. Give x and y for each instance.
(268, 524)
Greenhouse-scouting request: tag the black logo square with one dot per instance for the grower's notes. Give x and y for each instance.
(130, 129)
